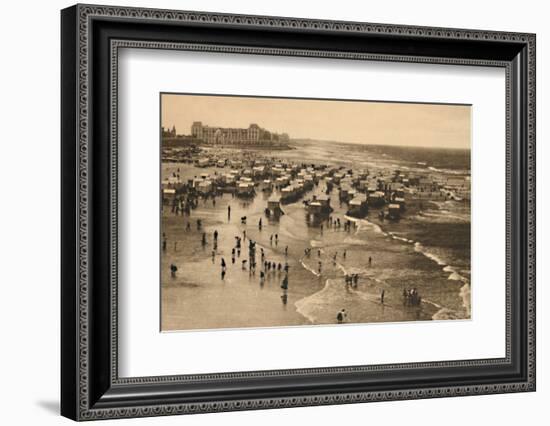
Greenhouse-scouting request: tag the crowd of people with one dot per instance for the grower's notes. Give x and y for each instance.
(411, 297)
(268, 268)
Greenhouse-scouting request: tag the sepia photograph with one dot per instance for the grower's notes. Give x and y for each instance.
(280, 212)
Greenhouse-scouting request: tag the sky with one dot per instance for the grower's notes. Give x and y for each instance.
(364, 122)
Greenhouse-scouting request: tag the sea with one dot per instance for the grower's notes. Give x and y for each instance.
(428, 249)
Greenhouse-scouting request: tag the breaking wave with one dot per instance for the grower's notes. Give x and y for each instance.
(323, 305)
(363, 224)
(464, 293)
(310, 269)
(421, 249)
(397, 237)
(448, 171)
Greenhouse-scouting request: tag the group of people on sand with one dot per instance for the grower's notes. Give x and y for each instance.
(183, 205)
(351, 280)
(337, 223)
(268, 267)
(411, 297)
(341, 316)
(274, 238)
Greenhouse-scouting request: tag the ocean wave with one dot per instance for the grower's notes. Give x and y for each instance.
(429, 302)
(397, 237)
(308, 268)
(323, 305)
(451, 314)
(365, 223)
(445, 204)
(465, 293)
(311, 306)
(454, 275)
(445, 216)
(449, 171)
(421, 249)
(355, 241)
(352, 270)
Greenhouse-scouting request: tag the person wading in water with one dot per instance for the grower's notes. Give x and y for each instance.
(173, 270)
(341, 316)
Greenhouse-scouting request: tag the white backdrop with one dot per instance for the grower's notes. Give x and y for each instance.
(146, 352)
(29, 225)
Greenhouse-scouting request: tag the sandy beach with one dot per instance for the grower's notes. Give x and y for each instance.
(414, 252)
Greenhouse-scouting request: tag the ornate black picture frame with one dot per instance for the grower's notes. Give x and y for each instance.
(91, 36)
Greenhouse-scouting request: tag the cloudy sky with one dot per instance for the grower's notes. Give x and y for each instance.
(382, 123)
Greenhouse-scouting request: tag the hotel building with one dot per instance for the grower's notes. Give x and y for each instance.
(253, 135)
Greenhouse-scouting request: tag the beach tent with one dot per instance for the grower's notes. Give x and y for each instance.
(245, 188)
(203, 162)
(394, 211)
(401, 202)
(315, 207)
(205, 187)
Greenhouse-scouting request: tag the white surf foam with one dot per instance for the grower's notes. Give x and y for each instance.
(465, 293)
(355, 241)
(451, 314)
(455, 275)
(332, 296)
(308, 268)
(397, 237)
(448, 171)
(366, 224)
(429, 302)
(316, 243)
(421, 249)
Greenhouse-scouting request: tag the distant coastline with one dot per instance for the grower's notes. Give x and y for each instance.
(366, 144)
(185, 141)
(458, 159)
(452, 158)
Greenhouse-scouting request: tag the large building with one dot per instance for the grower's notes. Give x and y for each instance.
(253, 135)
